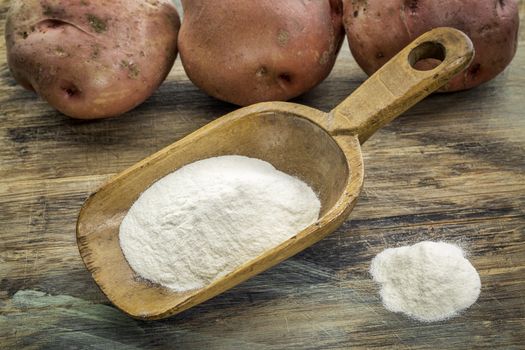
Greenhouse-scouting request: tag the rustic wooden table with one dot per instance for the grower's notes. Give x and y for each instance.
(451, 169)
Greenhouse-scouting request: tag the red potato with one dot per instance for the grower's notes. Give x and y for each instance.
(378, 29)
(91, 58)
(245, 52)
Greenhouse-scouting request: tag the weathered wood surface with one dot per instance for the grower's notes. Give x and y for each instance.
(453, 169)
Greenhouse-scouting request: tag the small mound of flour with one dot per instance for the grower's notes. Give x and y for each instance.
(209, 217)
(428, 281)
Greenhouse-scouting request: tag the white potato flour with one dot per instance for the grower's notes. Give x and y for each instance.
(209, 217)
(429, 281)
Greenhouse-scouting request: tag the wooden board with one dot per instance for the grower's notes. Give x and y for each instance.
(452, 169)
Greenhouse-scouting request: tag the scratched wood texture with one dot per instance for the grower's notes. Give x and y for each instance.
(452, 169)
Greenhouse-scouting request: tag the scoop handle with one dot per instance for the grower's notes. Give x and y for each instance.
(397, 86)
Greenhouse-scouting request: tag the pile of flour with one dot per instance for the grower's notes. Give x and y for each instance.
(209, 217)
(429, 281)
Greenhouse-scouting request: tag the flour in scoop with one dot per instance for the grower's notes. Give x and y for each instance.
(209, 217)
(428, 281)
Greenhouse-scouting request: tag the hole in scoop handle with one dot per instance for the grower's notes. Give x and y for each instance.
(397, 86)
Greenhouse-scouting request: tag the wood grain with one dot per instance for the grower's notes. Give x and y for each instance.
(450, 169)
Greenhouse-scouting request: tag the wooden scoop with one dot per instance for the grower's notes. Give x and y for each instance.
(322, 149)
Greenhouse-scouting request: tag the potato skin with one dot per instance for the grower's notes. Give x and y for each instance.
(378, 29)
(88, 58)
(245, 52)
